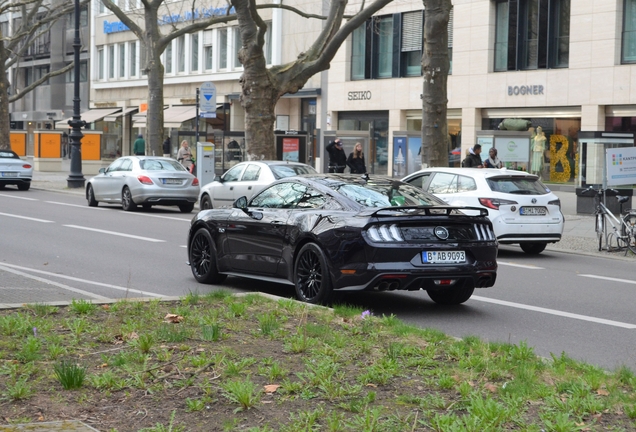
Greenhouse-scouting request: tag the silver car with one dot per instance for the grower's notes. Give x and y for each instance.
(14, 171)
(145, 181)
(246, 179)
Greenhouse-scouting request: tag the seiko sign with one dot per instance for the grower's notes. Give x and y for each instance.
(525, 90)
(359, 95)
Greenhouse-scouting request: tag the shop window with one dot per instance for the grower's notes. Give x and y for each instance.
(532, 34)
(628, 54)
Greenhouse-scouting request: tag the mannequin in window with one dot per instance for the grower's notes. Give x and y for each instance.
(538, 147)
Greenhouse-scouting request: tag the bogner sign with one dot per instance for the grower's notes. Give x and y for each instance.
(359, 95)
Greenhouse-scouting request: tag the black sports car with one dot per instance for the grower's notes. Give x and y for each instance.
(325, 232)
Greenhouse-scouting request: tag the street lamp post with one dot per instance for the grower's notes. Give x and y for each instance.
(76, 178)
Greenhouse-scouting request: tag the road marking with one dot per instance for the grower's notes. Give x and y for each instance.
(157, 216)
(19, 197)
(75, 205)
(556, 312)
(115, 233)
(26, 217)
(609, 278)
(115, 287)
(531, 267)
(50, 282)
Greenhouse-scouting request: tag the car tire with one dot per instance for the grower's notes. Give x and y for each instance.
(90, 196)
(127, 202)
(2, 186)
(206, 202)
(451, 296)
(202, 255)
(186, 208)
(146, 206)
(311, 275)
(24, 186)
(533, 248)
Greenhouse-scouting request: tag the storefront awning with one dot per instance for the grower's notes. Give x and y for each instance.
(114, 117)
(89, 116)
(173, 116)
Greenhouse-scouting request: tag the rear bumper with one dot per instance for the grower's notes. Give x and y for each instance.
(14, 180)
(534, 238)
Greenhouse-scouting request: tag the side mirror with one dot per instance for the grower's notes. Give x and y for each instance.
(218, 179)
(241, 203)
(102, 170)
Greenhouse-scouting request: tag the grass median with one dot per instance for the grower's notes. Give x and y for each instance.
(219, 362)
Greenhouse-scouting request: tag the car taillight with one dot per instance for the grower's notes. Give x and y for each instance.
(195, 182)
(385, 233)
(144, 180)
(27, 166)
(494, 203)
(555, 202)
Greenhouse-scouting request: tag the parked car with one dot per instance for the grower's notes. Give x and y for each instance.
(522, 209)
(14, 171)
(146, 181)
(326, 232)
(247, 178)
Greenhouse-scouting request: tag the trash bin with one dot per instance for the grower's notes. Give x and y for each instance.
(585, 201)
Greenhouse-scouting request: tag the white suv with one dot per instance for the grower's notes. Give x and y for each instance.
(521, 208)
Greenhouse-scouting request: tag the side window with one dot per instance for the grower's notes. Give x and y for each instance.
(465, 184)
(115, 165)
(234, 173)
(281, 195)
(311, 199)
(420, 181)
(443, 183)
(126, 165)
(251, 173)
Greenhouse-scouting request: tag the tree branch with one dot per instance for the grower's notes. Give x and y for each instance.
(34, 84)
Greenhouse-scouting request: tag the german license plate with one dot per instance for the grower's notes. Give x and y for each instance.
(533, 211)
(443, 257)
(9, 174)
(172, 181)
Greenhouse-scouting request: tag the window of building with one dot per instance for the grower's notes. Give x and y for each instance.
(122, 60)
(70, 75)
(237, 46)
(532, 34)
(111, 61)
(358, 53)
(411, 50)
(168, 58)
(100, 63)
(101, 7)
(208, 52)
(83, 17)
(194, 50)
(181, 54)
(32, 74)
(268, 43)
(383, 38)
(628, 54)
(133, 59)
(223, 48)
(143, 60)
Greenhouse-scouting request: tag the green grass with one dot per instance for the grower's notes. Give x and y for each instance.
(285, 366)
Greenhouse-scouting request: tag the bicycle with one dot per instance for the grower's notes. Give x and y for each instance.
(614, 240)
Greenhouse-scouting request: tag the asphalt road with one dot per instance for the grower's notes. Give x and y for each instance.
(53, 245)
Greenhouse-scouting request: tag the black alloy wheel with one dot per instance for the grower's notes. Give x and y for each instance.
(206, 202)
(127, 203)
(451, 296)
(203, 258)
(90, 196)
(311, 275)
(533, 248)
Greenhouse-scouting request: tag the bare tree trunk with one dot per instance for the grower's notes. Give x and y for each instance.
(5, 117)
(435, 68)
(154, 119)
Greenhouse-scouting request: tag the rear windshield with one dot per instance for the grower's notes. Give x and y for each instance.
(160, 165)
(386, 194)
(8, 154)
(281, 171)
(518, 185)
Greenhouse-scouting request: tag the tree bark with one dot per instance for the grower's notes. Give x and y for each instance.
(435, 69)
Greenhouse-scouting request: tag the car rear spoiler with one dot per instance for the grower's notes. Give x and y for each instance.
(433, 210)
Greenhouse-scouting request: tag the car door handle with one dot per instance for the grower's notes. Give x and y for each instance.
(231, 187)
(276, 222)
(249, 188)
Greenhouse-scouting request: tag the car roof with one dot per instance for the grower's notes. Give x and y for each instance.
(478, 172)
(273, 162)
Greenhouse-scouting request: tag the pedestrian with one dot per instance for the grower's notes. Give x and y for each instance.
(492, 161)
(337, 156)
(473, 160)
(139, 146)
(184, 155)
(355, 161)
(167, 147)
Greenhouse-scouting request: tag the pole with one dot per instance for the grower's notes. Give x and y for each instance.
(196, 138)
(76, 178)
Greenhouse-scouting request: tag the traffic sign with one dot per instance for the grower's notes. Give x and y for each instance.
(207, 102)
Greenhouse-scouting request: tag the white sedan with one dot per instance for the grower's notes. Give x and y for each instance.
(14, 171)
(146, 181)
(246, 179)
(522, 209)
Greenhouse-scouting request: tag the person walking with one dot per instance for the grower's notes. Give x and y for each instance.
(139, 146)
(473, 160)
(337, 156)
(355, 161)
(184, 155)
(167, 147)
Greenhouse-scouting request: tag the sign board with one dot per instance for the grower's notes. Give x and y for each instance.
(621, 166)
(512, 149)
(207, 101)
